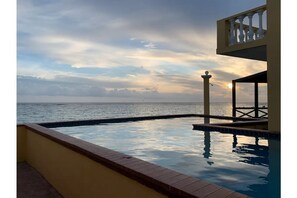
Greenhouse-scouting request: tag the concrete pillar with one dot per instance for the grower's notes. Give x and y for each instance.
(273, 65)
(206, 78)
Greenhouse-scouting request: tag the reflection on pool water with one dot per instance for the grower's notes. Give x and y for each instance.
(247, 165)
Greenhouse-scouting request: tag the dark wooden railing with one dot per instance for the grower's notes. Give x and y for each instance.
(252, 112)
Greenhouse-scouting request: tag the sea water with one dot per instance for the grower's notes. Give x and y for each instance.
(55, 112)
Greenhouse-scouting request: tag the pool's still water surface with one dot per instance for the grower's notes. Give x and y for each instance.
(247, 165)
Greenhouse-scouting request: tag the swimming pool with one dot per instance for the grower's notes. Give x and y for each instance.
(247, 165)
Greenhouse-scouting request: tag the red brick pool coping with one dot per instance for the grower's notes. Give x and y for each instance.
(166, 181)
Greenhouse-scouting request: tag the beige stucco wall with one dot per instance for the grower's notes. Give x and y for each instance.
(273, 65)
(21, 143)
(73, 174)
(222, 36)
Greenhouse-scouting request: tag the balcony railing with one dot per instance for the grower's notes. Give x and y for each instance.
(242, 33)
(251, 112)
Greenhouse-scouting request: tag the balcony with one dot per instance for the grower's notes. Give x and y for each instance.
(242, 35)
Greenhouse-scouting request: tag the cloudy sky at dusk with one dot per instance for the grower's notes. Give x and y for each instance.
(126, 50)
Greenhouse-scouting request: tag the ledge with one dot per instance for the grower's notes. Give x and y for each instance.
(239, 128)
(134, 119)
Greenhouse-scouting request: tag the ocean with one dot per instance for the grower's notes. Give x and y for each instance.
(55, 112)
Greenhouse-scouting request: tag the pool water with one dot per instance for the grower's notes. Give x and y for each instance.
(244, 164)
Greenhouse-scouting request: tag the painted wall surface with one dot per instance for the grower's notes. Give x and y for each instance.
(21, 143)
(273, 65)
(73, 174)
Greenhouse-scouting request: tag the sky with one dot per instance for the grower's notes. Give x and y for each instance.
(127, 51)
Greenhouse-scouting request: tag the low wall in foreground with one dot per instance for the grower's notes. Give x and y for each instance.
(80, 169)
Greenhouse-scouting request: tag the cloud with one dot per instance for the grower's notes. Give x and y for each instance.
(63, 88)
(225, 76)
(36, 86)
(97, 32)
(185, 83)
(131, 48)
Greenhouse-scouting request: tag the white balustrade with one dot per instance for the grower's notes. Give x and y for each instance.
(246, 30)
(243, 33)
(260, 30)
(251, 29)
(232, 32)
(241, 36)
(236, 33)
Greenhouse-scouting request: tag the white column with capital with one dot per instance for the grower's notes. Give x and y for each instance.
(206, 78)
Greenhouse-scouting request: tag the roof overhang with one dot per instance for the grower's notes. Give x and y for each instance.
(260, 77)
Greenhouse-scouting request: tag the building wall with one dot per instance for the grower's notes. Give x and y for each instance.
(21, 143)
(273, 65)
